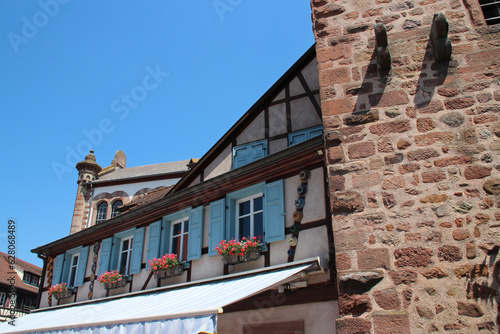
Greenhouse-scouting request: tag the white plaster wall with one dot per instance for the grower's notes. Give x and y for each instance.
(220, 165)
(132, 188)
(296, 87)
(207, 267)
(303, 114)
(319, 318)
(255, 131)
(278, 145)
(310, 73)
(277, 119)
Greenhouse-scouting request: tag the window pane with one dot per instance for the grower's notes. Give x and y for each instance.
(257, 204)
(125, 244)
(123, 263)
(186, 226)
(244, 227)
(176, 229)
(244, 208)
(176, 245)
(102, 211)
(258, 224)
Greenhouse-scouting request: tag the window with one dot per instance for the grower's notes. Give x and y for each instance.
(27, 278)
(102, 212)
(34, 280)
(245, 154)
(70, 267)
(122, 252)
(73, 266)
(114, 208)
(125, 255)
(3, 297)
(491, 11)
(303, 135)
(179, 231)
(252, 211)
(249, 214)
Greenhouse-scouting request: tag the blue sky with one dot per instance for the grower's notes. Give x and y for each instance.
(160, 80)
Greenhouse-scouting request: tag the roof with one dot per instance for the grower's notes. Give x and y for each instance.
(144, 171)
(146, 198)
(6, 272)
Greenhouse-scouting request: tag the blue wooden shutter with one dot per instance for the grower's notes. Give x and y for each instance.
(216, 225)
(258, 150)
(195, 233)
(58, 266)
(241, 156)
(137, 248)
(315, 132)
(105, 256)
(248, 153)
(153, 242)
(295, 138)
(82, 266)
(274, 212)
(65, 268)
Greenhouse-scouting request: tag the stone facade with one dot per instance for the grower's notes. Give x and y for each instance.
(414, 183)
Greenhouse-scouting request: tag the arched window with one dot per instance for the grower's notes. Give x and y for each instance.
(114, 208)
(102, 212)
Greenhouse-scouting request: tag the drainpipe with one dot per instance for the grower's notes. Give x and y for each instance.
(42, 279)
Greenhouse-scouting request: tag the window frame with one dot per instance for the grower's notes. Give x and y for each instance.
(3, 299)
(98, 216)
(114, 208)
(251, 214)
(181, 236)
(71, 273)
(494, 5)
(222, 223)
(128, 255)
(109, 254)
(26, 279)
(62, 266)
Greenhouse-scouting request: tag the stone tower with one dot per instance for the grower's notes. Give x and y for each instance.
(411, 91)
(87, 172)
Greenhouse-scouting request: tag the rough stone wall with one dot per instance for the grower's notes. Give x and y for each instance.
(414, 184)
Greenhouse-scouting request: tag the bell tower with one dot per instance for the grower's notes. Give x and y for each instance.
(87, 172)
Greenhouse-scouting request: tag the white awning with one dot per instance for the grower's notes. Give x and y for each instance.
(188, 309)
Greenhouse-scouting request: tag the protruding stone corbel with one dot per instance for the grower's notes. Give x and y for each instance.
(382, 47)
(439, 38)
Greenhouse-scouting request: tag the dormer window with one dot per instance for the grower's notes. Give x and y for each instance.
(114, 208)
(30, 279)
(102, 212)
(491, 11)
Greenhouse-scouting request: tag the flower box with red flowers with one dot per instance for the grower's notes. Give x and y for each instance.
(60, 291)
(166, 266)
(239, 251)
(112, 280)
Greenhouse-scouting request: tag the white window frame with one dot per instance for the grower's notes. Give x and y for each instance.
(130, 239)
(71, 273)
(99, 219)
(181, 236)
(251, 214)
(114, 212)
(34, 280)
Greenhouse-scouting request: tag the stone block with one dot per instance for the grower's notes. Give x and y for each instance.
(374, 258)
(361, 150)
(413, 257)
(390, 127)
(350, 240)
(391, 322)
(387, 299)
